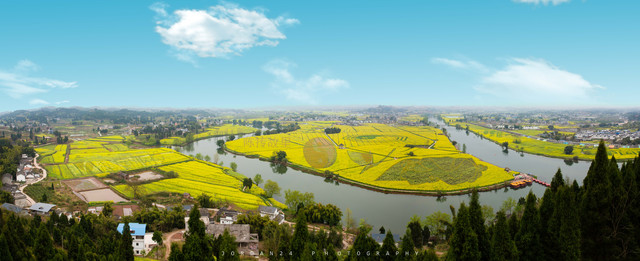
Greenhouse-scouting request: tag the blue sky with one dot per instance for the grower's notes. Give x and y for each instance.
(247, 54)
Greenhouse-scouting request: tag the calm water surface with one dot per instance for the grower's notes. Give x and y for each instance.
(394, 211)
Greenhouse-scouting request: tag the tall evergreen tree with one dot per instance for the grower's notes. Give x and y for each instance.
(567, 230)
(5, 254)
(406, 246)
(528, 237)
(478, 226)
(463, 244)
(503, 247)
(176, 253)
(228, 249)
(388, 249)
(126, 244)
(416, 232)
(301, 234)
(549, 242)
(596, 209)
(557, 181)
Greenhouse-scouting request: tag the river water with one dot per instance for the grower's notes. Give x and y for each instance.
(393, 211)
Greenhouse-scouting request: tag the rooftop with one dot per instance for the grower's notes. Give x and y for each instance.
(41, 207)
(136, 229)
(380, 237)
(267, 209)
(11, 207)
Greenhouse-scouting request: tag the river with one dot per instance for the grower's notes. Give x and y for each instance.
(393, 211)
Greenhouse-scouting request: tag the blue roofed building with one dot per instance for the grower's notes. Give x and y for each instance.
(380, 238)
(137, 231)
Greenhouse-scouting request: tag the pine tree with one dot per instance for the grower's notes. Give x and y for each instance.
(549, 242)
(176, 253)
(528, 237)
(126, 244)
(463, 244)
(567, 215)
(301, 233)
(228, 247)
(477, 224)
(557, 181)
(5, 254)
(388, 249)
(416, 232)
(596, 209)
(503, 247)
(407, 246)
(43, 246)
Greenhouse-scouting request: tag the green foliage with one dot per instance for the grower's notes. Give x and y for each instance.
(503, 248)
(258, 179)
(157, 236)
(325, 214)
(528, 236)
(271, 188)
(388, 248)
(464, 241)
(293, 198)
(428, 170)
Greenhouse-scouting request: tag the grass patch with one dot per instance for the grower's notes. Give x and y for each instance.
(427, 170)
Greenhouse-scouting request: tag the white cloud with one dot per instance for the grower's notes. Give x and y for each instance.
(307, 91)
(544, 2)
(26, 66)
(17, 83)
(38, 102)
(62, 102)
(469, 64)
(537, 82)
(218, 31)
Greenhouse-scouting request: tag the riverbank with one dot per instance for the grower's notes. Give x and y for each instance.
(343, 180)
(542, 148)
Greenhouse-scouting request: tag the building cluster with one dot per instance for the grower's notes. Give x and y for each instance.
(218, 220)
(25, 173)
(608, 135)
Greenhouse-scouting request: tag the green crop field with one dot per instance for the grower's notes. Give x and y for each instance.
(376, 154)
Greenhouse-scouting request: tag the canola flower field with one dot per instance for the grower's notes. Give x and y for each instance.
(224, 130)
(197, 177)
(585, 150)
(378, 155)
(104, 155)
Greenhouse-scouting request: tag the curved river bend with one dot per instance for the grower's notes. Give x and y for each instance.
(393, 211)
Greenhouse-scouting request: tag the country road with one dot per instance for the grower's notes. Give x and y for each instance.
(44, 175)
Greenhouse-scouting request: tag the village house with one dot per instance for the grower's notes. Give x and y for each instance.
(137, 231)
(41, 208)
(247, 241)
(272, 212)
(13, 208)
(380, 238)
(227, 216)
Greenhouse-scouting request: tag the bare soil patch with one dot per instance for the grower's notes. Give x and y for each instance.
(83, 184)
(145, 176)
(105, 194)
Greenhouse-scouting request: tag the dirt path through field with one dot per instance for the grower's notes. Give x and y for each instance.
(44, 175)
(173, 236)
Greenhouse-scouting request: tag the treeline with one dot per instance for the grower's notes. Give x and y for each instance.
(599, 220)
(276, 128)
(90, 237)
(201, 246)
(159, 219)
(297, 244)
(332, 130)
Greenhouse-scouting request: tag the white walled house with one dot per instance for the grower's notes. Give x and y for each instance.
(137, 233)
